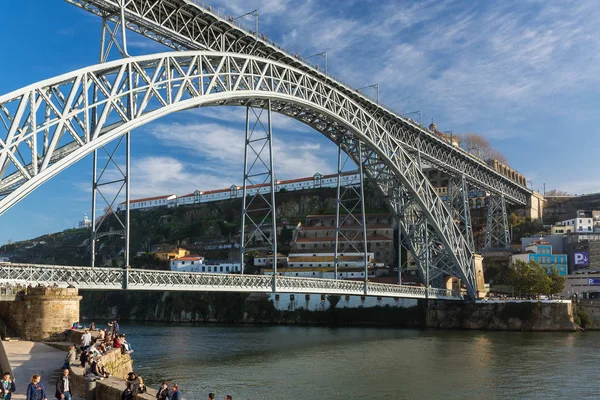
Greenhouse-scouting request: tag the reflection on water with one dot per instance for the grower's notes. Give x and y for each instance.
(299, 362)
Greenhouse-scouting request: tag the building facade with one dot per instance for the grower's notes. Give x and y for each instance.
(541, 252)
(195, 263)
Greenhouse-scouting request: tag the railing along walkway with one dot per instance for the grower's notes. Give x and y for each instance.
(99, 278)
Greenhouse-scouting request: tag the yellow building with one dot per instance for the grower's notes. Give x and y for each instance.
(172, 254)
(558, 229)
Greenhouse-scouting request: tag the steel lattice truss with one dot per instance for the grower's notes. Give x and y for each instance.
(497, 235)
(48, 126)
(183, 25)
(99, 278)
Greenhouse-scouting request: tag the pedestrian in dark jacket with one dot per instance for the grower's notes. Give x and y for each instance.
(175, 393)
(133, 386)
(35, 389)
(164, 393)
(63, 386)
(7, 387)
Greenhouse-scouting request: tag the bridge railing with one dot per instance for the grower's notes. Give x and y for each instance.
(100, 278)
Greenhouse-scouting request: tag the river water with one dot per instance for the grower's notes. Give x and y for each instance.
(349, 363)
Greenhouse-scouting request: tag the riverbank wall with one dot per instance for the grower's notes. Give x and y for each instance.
(244, 308)
(536, 316)
(588, 314)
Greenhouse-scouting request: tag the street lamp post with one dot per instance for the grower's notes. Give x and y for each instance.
(253, 13)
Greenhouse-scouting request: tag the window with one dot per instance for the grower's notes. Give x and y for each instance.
(221, 269)
(203, 269)
(227, 269)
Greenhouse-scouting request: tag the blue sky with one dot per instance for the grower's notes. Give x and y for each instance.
(524, 74)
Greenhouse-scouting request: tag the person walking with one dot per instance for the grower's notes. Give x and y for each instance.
(228, 397)
(63, 386)
(8, 387)
(211, 396)
(175, 393)
(163, 393)
(35, 389)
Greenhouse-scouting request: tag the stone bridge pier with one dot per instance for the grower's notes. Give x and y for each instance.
(38, 313)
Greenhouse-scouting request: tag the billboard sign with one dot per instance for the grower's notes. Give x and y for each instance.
(594, 281)
(581, 259)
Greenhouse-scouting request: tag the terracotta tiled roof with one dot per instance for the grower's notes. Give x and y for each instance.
(148, 199)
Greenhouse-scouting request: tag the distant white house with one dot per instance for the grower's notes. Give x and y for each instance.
(194, 263)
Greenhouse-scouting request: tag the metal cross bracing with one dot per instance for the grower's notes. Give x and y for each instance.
(100, 278)
(497, 235)
(165, 83)
(188, 25)
(108, 184)
(113, 37)
(350, 219)
(457, 197)
(258, 210)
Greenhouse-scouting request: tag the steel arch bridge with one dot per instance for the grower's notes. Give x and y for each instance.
(59, 121)
(48, 126)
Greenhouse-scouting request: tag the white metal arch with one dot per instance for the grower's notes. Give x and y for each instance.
(48, 126)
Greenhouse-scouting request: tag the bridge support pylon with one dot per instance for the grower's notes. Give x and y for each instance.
(497, 235)
(110, 39)
(350, 218)
(259, 218)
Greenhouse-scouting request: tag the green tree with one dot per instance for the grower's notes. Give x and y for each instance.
(530, 278)
(558, 282)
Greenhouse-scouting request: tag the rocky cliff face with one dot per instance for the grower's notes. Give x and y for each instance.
(502, 316)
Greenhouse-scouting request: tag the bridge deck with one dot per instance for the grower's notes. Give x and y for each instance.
(99, 278)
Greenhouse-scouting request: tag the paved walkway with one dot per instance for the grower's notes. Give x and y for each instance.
(28, 358)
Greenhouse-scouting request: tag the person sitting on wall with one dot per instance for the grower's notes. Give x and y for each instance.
(142, 387)
(126, 347)
(7, 387)
(132, 388)
(116, 343)
(99, 370)
(71, 358)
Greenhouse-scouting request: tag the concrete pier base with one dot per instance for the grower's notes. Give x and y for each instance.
(41, 312)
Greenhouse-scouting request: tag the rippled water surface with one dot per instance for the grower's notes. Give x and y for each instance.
(321, 363)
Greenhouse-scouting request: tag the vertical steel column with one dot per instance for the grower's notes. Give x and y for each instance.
(258, 172)
(399, 252)
(244, 191)
(497, 235)
(127, 196)
(109, 37)
(350, 226)
(363, 211)
(273, 209)
(93, 234)
(337, 212)
(427, 260)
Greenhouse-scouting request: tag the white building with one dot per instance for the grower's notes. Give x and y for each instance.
(187, 264)
(582, 223)
(329, 273)
(85, 222)
(193, 263)
(150, 202)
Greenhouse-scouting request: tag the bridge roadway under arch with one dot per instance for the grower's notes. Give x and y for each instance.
(98, 278)
(57, 122)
